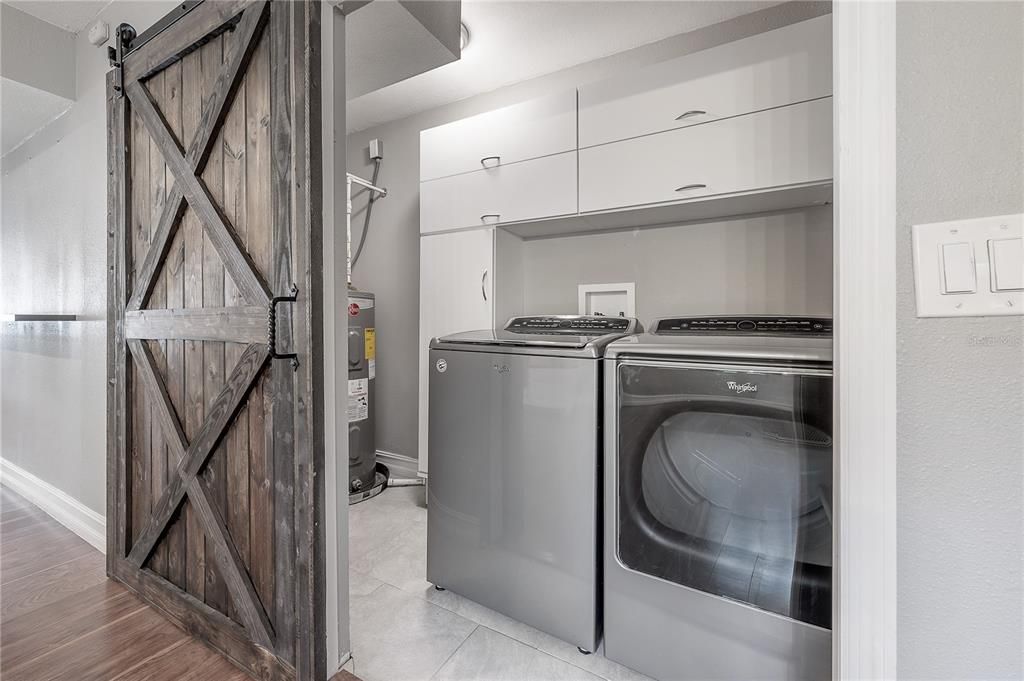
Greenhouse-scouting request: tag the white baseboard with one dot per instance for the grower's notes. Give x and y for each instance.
(69, 512)
(399, 465)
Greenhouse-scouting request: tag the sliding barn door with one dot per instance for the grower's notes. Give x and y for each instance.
(215, 474)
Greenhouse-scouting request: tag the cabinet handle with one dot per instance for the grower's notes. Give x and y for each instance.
(483, 288)
(490, 218)
(688, 114)
(485, 159)
(691, 186)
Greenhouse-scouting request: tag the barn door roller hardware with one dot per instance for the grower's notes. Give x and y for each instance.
(123, 37)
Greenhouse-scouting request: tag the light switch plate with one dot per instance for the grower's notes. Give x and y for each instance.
(969, 267)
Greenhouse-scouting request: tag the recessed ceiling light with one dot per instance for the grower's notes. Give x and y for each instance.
(463, 37)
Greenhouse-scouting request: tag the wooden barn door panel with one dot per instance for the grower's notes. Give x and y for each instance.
(215, 451)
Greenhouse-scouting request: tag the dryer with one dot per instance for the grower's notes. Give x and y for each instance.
(718, 499)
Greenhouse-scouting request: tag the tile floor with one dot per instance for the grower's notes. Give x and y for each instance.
(405, 630)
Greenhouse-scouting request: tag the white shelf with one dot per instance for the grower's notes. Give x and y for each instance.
(699, 209)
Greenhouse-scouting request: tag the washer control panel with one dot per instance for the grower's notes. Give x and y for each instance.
(797, 326)
(580, 325)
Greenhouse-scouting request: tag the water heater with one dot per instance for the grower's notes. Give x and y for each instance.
(362, 373)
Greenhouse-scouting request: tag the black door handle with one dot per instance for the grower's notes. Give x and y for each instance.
(272, 326)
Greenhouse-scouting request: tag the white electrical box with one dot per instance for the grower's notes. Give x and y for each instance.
(970, 267)
(99, 33)
(612, 300)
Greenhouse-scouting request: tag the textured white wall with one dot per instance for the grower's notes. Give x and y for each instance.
(960, 154)
(53, 259)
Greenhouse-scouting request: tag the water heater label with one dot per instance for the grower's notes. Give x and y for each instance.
(358, 399)
(370, 343)
(371, 364)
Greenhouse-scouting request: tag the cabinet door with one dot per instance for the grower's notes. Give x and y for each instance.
(534, 189)
(536, 128)
(782, 147)
(788, 65)
(456, 294)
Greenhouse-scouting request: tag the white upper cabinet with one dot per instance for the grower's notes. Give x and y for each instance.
(539, 127)
(780, 67)
(529, 190)
(777, 148)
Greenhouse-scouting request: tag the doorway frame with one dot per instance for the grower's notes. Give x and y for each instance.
(335, 331)
(864, 307)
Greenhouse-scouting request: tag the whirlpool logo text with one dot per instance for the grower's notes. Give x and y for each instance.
(740, 388)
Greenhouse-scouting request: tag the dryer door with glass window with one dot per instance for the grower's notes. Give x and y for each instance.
(724, 482)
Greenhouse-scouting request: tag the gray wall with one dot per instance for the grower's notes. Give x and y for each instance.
(389, 265)
(53, 254)
(959, 96)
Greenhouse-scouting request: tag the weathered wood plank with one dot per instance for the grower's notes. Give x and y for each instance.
(220, 414)
(243, 324)
(157, 196)
(258, 236)
(175, 298)
(211, 56)
(243, 594)
(164, 417)
(225, 554)
(138, 452)
(190, 33)
(118, 272)
(222, 95)
(237, 446)
(282, 377)
(205, 624)
(307, 264)
(199, 198)
(195, 403)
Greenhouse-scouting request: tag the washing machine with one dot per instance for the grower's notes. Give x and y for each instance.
(514, 447)
(718, 499)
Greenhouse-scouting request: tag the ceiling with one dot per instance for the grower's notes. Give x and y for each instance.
(516, 40)
(25, 111)
(71, 15)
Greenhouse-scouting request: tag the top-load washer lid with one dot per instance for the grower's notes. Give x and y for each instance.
(758, 337)
(552, 331)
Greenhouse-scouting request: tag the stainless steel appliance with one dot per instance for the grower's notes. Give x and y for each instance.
(364, 479)
(718, 499)
(514, 448)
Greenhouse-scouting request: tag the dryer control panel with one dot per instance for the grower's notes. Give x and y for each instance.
(581, 325)
(756, 325)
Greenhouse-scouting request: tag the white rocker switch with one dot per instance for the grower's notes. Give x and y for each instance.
(1007, 264)
(971, 267)
(958, 273)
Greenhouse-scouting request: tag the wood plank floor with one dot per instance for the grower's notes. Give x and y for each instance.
(61, 618)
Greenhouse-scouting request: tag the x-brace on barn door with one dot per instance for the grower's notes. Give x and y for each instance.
(215, 450)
